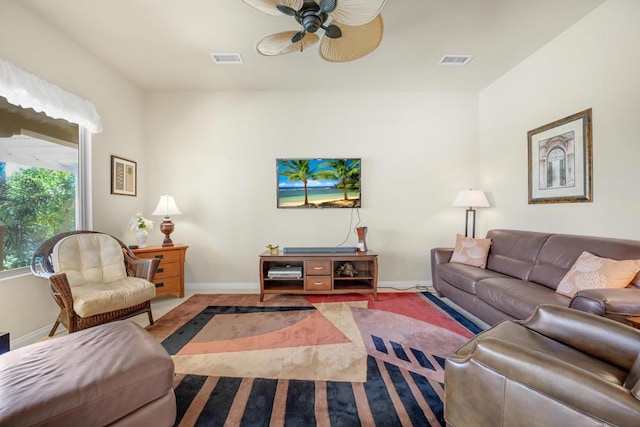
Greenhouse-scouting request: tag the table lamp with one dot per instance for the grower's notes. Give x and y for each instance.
(470, 199)
(166, 207)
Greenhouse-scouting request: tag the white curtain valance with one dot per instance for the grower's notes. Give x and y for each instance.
(29, 91)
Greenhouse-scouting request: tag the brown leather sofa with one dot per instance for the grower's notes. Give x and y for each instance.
(523, 271)
(561, 367)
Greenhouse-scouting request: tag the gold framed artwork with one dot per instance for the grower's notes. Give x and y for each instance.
(124, 176)
(560, 160)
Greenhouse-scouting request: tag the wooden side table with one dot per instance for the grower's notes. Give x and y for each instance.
(169, 278)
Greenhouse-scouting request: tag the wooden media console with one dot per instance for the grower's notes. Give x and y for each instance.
(319, 273)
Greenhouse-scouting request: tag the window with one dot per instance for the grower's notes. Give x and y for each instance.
(39, 197)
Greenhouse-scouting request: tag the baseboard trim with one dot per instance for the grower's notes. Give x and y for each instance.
(32, 337)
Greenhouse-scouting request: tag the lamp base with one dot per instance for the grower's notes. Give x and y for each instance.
(471, 213)
(167, 228)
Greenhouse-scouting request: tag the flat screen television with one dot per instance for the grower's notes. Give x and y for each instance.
(319, 183)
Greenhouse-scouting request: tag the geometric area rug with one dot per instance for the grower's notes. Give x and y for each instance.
(306, 360)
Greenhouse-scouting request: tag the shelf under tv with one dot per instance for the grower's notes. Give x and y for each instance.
(319, 274)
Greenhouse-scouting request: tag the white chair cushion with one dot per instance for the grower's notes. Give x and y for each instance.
(94, 298)
(89, 258)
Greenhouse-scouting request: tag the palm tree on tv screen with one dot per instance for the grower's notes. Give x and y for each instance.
(299, 170)
(344, 170)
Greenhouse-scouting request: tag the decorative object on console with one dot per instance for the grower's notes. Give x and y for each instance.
(346, 269)
(167, 207)
(560, 160)
(355, 27)
(318, 183)
(471, 199)
(123, 176)
(273, 249)
(362, 242)
(142, 226)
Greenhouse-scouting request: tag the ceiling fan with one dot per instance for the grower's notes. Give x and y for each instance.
(352, 28)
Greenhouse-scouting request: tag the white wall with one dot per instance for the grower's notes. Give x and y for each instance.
(594, 64)
(36, 47)
(215, 152)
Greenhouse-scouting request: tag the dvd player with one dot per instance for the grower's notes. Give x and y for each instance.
(285, 272)
(320, 250)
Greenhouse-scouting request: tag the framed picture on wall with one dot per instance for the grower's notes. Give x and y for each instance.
(124, 176)
(560, 160)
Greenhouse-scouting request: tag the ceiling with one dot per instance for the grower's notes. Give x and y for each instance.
(165, 44)
(27, 151)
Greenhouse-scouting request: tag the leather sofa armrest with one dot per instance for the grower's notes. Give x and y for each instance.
(615, 303)
(440, 255)
(597, 336)
(558, 379)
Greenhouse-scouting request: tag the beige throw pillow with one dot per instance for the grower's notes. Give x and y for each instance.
(592, 272)
(471, 251)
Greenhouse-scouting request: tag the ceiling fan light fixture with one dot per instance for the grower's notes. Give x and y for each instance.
(358, 31)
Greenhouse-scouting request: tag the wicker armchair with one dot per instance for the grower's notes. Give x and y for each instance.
(94, 279)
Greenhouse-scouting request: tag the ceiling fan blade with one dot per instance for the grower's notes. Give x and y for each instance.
(280, 43)
(357, 12)
(270, 7)
(355, 42)
(327, 6)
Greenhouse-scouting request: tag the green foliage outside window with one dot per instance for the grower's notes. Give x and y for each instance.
(35, 204)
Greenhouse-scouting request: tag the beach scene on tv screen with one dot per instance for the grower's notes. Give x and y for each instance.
(318, 183)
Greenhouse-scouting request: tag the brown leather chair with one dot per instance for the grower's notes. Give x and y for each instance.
(560, 367)
(94, 279)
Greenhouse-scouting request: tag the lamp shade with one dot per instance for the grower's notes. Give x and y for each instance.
(471, 198)
(166, 207)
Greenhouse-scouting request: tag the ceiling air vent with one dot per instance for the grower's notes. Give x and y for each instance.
(227, 58)
(455, 60)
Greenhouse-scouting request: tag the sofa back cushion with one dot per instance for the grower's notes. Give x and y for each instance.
(514, 252)
(89, 258)
(560, 252)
